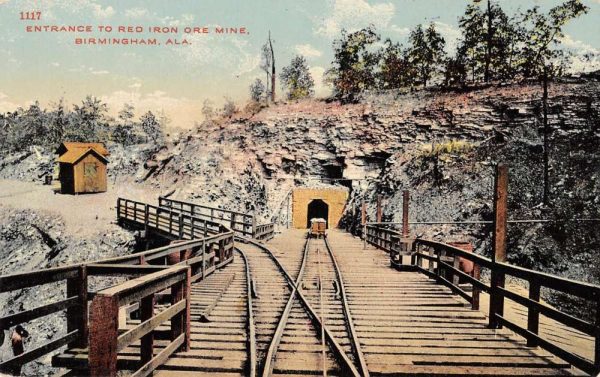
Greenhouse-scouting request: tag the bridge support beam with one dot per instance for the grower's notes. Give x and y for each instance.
(499, 243)
(405, 203)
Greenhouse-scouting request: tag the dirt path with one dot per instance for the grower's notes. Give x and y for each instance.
(83, 215)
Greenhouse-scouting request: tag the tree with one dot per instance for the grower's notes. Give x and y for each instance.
(354, 63)
(151, 127)
(490, 42)
(426, 52)
(90, 120)
(229, 108)
(296, 79)
(124, 133)
(208, 110)
(268, 66)
(59, 121)
(257, 90)
(396, 71)
(543, 60)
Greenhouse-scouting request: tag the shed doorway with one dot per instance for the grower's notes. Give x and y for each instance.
(317, 209)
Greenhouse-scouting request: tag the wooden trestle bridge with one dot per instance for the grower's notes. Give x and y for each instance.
(229, 297)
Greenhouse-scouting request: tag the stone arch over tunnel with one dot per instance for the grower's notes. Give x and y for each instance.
(333, 199)
(317, 209)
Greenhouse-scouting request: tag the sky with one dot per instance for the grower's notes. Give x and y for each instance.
(177, 79)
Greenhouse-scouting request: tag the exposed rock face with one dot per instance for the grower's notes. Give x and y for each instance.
(256, 160)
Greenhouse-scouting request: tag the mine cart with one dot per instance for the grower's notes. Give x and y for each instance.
(318, 227)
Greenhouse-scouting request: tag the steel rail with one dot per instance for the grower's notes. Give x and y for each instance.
(251, 327)
(345, 363)
(354, 341)
(272, 350)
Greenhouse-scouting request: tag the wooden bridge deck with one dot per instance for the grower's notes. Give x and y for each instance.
(406, 323)
(410, 325)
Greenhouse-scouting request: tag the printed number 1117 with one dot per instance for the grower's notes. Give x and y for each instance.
(31, 16)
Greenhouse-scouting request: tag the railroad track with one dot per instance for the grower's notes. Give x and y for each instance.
(303, 323)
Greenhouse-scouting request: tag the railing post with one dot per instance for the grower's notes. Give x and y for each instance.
(597, 337)
(379, 211)
(192, 225)
(147, 341)
(253, 226)
(205, 228)
(180, 220)
(363, 222)
(180, 323)
(232, 221)
(77, 316)
(438, 256)
(430, 261)
(419, 258)
(203, 259)
(476, 290)
(498, 244)
(405, 201)
(533, 314)
(455, 264)
(104, 331)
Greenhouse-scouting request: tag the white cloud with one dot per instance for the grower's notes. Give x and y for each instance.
(100, 12)
(3, 2)
(231, 55)
(355, 14)
(318, 75)
(99, 72)
(136, 13)
(585, 57)
(451, 35)
(135, 85)
(308, 51)
(402, 31)
(55, 64)
(185, 20)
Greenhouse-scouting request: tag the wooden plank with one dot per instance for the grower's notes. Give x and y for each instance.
(551, 312)
(145, 327)
(106, 269)
(31, 279)
(576, 360)
(160, 358)
(25, 316)
(40, 351)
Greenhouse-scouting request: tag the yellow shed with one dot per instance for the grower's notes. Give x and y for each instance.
(82, 167)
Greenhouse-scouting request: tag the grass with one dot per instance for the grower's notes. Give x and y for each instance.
(446, 147)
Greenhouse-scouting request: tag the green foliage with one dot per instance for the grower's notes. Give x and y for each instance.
(87, 122)
(396, 70)
(152, 127)
(257, 90)
(540, 56)
(354, 63)
(426, 52)
(229, 108)
(446, 147)
(296, 79)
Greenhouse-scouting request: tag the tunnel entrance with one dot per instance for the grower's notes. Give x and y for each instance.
(317, 209)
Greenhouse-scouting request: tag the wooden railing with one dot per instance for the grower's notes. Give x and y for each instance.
(243, 224)
(264, 231)
(156, 270)
(441, 262)
(106, 341)
(75, 305)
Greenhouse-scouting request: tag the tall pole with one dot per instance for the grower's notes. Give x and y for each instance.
(272, 68)
(363, 222)
(379, 210)
(499, 243)
(405, 199)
